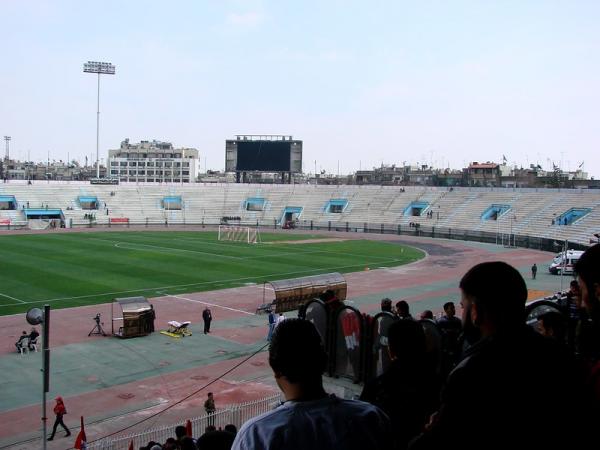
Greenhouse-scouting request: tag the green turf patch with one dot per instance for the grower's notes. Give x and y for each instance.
(75, 269)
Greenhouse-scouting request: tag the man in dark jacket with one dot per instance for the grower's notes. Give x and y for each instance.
(207, 318)
(408, 391)
(33, 338)
(504, 393)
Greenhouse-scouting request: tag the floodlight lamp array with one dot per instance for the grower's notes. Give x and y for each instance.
(99, 67)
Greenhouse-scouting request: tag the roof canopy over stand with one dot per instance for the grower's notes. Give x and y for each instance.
(293, 293)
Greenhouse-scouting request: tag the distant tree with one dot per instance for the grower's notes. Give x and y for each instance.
(555, 177)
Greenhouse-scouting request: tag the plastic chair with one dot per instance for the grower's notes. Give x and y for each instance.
(23, 346)
(33, 344)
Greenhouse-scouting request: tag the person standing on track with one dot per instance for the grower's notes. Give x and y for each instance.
(207, 318)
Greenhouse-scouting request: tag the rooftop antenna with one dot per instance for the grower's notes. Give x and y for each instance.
(7, 140)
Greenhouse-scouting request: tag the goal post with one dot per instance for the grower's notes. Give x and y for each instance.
(249, 235)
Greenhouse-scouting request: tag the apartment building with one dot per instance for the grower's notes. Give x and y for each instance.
(153, 162)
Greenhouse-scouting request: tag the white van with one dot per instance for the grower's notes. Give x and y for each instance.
(564, 262)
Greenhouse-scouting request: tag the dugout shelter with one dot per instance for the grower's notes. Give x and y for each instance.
(130, 317)
(293, 293)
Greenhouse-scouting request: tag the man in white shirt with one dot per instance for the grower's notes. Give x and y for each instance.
(280, 318)
(310, 418)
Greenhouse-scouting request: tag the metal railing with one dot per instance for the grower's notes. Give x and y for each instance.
(233, 414)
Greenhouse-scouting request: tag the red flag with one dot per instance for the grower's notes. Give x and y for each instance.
(188, 428)
(131, 445)
(81, 438)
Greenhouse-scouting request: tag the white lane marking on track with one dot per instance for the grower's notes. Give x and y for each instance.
(210, 304)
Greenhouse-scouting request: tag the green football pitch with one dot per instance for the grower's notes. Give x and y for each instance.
(74, 269)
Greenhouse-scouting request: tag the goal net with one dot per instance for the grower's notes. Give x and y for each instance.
(38, 224)
(239, 234)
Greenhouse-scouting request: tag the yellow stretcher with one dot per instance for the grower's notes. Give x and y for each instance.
(177, 329)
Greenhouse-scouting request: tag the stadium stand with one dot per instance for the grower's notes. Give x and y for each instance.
(533, 212)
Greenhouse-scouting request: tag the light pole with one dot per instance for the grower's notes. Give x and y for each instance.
(497, 228)
(512, 218)
(106, 69)
(37, 316)
(564, 262)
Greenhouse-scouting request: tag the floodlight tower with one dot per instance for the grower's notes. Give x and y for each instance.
(105, 69)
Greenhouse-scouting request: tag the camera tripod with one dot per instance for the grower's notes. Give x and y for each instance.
(97, 328)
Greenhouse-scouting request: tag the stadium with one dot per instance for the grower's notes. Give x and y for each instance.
(275, 225)
(77, 247)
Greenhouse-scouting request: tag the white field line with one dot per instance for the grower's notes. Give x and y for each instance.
(210, 304)
(132, 246)
(119, 244)
(123, 245)
(12, 298)
(201, 283)
(275, 244)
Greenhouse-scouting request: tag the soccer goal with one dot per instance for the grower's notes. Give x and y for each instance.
(239, 234)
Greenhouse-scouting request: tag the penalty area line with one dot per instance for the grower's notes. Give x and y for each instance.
(12, 298)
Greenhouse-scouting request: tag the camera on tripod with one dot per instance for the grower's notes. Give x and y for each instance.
(98, 327)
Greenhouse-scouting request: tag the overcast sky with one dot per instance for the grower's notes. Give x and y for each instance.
(360, 82)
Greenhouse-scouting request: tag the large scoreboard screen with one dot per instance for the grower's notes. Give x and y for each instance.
(264, 156)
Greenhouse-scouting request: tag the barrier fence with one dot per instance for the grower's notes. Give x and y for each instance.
(233, 414)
